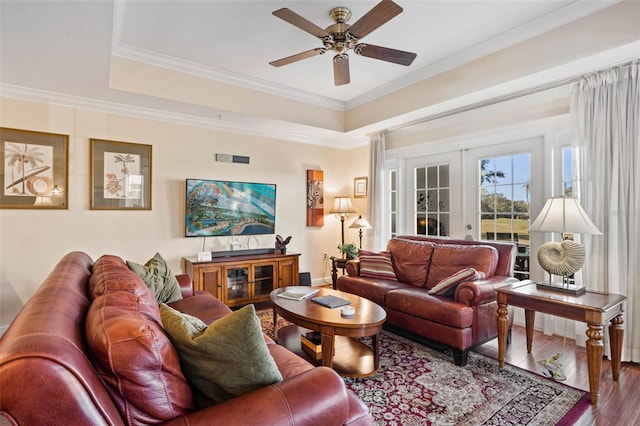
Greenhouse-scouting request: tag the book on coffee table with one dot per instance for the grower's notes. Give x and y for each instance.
(331, 301)
(298, 293)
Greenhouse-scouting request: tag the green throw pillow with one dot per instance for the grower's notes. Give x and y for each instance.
(158, 277)
(226, 359)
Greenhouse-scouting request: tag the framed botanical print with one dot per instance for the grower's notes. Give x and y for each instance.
(35, 169)
(360, 187)
(120, 175)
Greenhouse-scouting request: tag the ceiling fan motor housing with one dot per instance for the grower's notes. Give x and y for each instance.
(340, 14)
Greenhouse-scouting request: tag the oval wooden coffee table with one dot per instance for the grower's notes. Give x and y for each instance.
(340, 350)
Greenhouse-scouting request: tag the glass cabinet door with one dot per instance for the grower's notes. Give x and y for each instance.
(237, 283)
(263, 279)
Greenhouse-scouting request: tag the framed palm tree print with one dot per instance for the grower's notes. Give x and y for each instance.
(120, 175)
(35, 169)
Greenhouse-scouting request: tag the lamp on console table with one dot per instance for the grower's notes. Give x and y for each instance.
(341, 208)
(564, 215)
(360, 223)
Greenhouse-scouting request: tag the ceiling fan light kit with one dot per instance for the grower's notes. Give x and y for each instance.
(341, 37)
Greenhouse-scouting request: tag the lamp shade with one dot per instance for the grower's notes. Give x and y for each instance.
(342, 206)
(360, 223)
(565, 215)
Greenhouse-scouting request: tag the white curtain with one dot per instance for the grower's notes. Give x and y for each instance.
(376, 198)
(605, 109)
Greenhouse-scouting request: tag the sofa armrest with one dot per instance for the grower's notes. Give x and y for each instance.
(317, 396)
(473, 293)
(353, 268)
(186, 285)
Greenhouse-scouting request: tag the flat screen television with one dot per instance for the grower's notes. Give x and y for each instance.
(225, 208)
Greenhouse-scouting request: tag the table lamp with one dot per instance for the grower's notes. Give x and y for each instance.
(564, 215)
(341, 208)
(360, 223)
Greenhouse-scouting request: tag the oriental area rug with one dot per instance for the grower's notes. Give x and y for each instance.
(417, 386)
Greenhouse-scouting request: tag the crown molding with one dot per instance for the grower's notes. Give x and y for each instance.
(179, 65)
(263, 129)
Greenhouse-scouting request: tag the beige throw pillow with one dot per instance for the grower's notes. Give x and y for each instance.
(447, 286)
(226, 359)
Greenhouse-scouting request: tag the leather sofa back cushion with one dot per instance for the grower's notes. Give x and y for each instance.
(110, 274)
(448, 259)
(136, 360)
(411, 260)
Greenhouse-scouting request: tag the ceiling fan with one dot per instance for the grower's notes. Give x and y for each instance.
(341, 37)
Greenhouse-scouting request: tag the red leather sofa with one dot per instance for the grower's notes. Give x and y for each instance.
(458, 321)
(49, 376)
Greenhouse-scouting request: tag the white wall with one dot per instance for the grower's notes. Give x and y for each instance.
(32, 241)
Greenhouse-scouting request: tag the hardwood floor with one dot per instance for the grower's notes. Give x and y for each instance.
(618, 401)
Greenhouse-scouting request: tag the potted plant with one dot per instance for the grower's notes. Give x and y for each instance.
(350, 250)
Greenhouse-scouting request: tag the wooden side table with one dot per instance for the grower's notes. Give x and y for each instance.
(591, 307)
(336, 263)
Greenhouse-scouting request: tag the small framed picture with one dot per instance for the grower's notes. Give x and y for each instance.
(120, 175)
(35, 169)
(360, 187)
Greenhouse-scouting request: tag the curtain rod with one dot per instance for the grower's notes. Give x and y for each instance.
(508, 97)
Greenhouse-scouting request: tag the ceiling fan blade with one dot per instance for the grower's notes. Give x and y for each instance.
(296, 20)
(298, 57)
(380, 14)
(341, 69)
(385, 54)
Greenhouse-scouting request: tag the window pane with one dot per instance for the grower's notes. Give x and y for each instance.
(488, 201)
(421, 201)
(503, 171)
(503, 199)
(432, 177)
(444, 200)
(421, 224)
(420, 178)
(432, 197)
(443, 176)
(434, 227)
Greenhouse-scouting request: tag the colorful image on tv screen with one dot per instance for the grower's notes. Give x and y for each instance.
(220, 208)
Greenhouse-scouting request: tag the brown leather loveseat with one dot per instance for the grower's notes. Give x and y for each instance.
(457, 321)
(49, 376)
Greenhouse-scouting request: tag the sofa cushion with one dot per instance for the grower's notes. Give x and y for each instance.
(135, 359)
(158, 277)
(411, 260)
(448, 259)
(376, 265)
(420, 304)
(447, 286)
(110, 273)
(225, 359)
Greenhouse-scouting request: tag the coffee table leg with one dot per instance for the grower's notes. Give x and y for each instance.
(376, 351)
(275, 324)
(594, 359)
(616, 334)
(328, 339)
